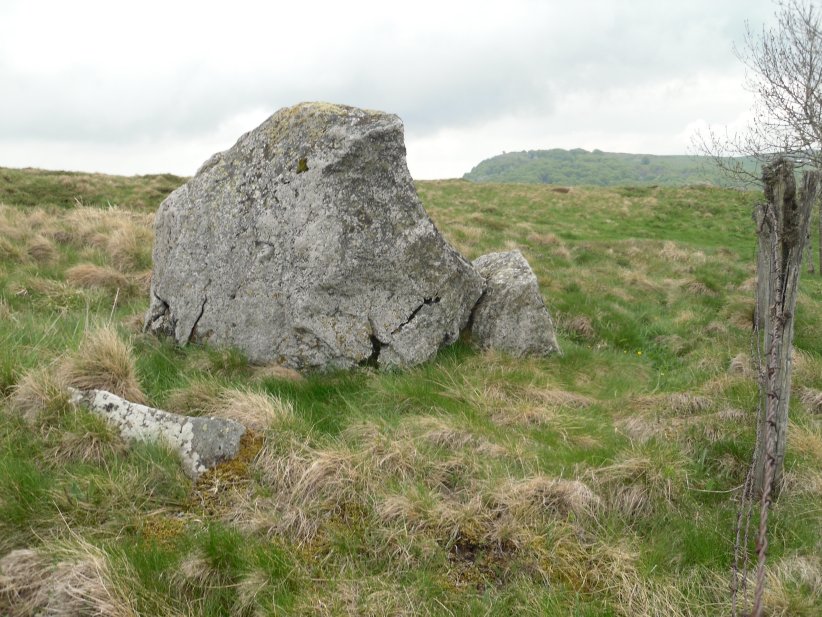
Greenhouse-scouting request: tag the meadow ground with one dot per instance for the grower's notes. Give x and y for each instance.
(600, 482)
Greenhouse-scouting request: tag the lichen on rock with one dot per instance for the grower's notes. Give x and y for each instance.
(201, 443)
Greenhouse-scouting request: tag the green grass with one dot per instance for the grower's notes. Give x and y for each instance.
(598, 482)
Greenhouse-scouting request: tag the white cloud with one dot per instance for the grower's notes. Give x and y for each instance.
(125, 88)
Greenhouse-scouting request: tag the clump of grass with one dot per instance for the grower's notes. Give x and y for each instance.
(41, 249)
(811, 399)
(741, 365)
(83, 438)
(258, 411)
(579, 325)
(198, 397)
(12, 251)
(104, 361)
(530, 498)
(129, 246)
(61, 581)
(40, 396)
(94, 276)
(636, 486)
(676, 403)
(311, 487)
(276, 371)
(805, 441)
(672, 252)
(684, 403)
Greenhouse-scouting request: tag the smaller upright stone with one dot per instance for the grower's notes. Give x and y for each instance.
(511, 315)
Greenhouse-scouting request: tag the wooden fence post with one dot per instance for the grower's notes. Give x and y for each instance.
(782, 226)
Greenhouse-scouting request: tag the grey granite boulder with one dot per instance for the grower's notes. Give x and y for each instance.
(202, 443)
(511, 315)
(306, 244)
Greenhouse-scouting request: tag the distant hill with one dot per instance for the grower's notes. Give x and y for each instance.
(581, 167)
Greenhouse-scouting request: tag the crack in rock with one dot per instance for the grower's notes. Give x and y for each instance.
(425, 302)
(193, 331)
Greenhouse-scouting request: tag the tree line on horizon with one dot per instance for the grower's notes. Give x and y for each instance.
(579, 167)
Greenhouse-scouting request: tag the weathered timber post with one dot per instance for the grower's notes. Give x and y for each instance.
(809, 258)
(782, 226)
(819, 225)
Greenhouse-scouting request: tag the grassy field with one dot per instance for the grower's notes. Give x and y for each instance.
(602, 482)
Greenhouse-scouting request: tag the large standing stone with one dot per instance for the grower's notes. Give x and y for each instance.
(306, 244)
(511, 315)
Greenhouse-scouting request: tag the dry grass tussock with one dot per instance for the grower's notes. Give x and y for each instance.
(13, 252)
(258, 411)
(676, 403)
(314, 485)
(714, 427)
(580, 325)
(805, 441)
(440, 433)
(556, 397)
(59, 294)
(198, 397)
(40, 394)
(86, 446)
(42, 399)
(673, 253)
(546, 238)
(698, 288)
(741, 364)
(811, 399)
(505, 521)
(701, 591)
(740, 312)
(41, 249)
(531, 498)
(276, 371)
(103, 361)
(21, 225)
(62, 581)
(129, 246)
(311, 487)
(802, 481)
(806, 366)
(783, 578)
(636, 486)
(748, 285)
(508, 404)
(93, 276)
(89, 226)
(365, 597)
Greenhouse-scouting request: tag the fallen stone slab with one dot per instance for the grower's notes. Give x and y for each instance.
(202, 443)
(306, 244)
(511, 315)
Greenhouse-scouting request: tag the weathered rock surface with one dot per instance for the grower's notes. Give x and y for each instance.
(306, 244)
(201, 443)
(511, 315)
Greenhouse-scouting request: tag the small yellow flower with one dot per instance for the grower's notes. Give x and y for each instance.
(639, 353)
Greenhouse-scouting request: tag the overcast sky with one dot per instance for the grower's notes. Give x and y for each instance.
(158, 86)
